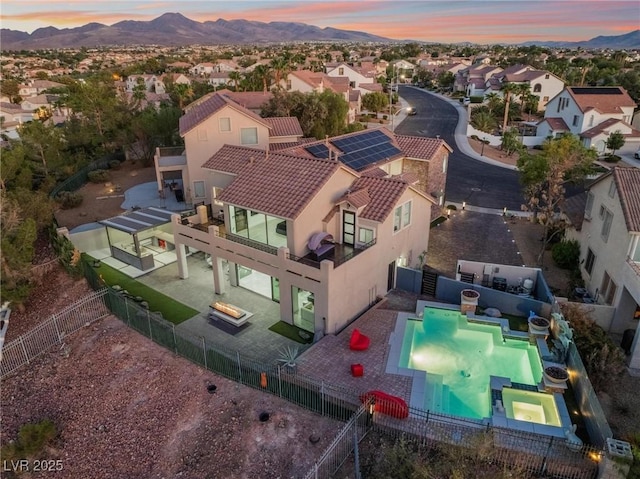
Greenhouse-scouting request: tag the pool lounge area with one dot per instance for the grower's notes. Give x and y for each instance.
(476, 368)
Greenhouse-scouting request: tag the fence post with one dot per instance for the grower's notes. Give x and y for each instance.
(175, 345)
(126, 308)
(24, 349)
(356, 455)
(239, 367)
(55, 323)
(322, 397)
(280, 388)
(149, 325)
(204, 351)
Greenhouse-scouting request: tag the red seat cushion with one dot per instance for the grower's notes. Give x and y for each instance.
(357, 370)
(358, 341)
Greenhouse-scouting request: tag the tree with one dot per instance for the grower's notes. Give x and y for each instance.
(615, 141)
(507, 89)
(493, 101)
(375, 101)
(182, 92)
(543, 176)
(510, 143)
(482, 119)
(235, 77)
(445, 80)
(281, 68)
(523, 90)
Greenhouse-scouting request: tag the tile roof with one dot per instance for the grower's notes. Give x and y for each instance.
(314, 79)
(371, 86)
(374, 172)
(201, 109)
(357, 197)
(607, 125)
(384, 193)
(274, 183)
(573, 207)
(420, 148)
(252, 100)
(556, 124)
(628, 185)
(602, 99)
(284, 126)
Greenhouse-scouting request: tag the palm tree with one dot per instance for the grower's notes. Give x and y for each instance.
(493, 101)
(508, 89)
(235, 77)
(263, 74)
(281, 68)
(183, 92)
(522, 90)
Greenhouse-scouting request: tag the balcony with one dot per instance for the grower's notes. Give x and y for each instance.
(171, 156)
(340, 255)
(250, 243)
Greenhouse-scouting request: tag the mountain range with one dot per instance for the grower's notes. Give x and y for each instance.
(174, 29)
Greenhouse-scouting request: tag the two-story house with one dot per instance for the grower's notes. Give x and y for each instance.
(592, 113)
(320, 239)
(360, 78)
(150, 83)
(609, 237)
(207, 125)
(542, 84)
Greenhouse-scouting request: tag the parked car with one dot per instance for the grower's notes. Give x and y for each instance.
(636, 155)
(411, 111)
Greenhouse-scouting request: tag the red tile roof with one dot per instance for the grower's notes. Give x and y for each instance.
(420, 148)
(356, 197)
(628, 185)
(556, 124)
(201, 109)
(277, 184)
(284, 126)
(252, 100)
(588, 98)
(384, 193)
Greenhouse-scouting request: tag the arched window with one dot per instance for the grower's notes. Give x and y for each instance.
(537, 88)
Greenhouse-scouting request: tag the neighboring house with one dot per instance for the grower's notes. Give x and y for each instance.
(175, 78)
(202, 69)
(592, 113)
(219, 79)
(403, 67)
(360, 78)
(251, 100)
(36, 87)
(208, 124)
(542, 84)
(274, 204)
(473, 79)
(609, 236)
(11, 112)
(151, 83)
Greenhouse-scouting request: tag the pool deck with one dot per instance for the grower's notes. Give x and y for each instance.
(330, 359)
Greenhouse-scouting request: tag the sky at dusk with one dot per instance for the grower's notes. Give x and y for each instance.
(477, 21)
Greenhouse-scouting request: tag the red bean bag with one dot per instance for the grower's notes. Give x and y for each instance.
(358, 341)
(384, 403)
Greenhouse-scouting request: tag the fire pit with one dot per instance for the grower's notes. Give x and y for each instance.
(556, 374)
(539, 323)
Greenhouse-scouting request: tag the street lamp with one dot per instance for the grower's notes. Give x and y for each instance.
(484, 142)
(390, 98)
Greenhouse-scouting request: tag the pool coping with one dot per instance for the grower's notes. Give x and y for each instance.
(498, 418)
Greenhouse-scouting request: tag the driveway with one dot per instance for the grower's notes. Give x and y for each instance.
(470, 178)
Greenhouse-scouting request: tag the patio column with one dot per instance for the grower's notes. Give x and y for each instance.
(183, 270)
(219, 283)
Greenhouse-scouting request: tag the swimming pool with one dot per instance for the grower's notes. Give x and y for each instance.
(459, 358)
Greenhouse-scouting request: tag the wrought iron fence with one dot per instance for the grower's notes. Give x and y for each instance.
(52, 332)
(343, 259)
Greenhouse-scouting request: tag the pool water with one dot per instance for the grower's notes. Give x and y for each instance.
(459, 358)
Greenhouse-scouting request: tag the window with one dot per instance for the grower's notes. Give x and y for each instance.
(608, 289)
(606, 224)
(341, 71)
(537, 88)
(406, 214)
(225, 124)
(545, 99)
(588, 206)
(397, 218)
(444, 164)
(546, 77)
(590, 260)
(365, 235)
(198, 189)
(575, 120)
(591, 120)
(249, 136)
(612, 189)
(288, 85)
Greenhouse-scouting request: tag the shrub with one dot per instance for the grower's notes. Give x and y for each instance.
(114, 164)
(69, 199)
(611, 158)
(32, 440)
(566, 254)
(384, 117)
(99, 176)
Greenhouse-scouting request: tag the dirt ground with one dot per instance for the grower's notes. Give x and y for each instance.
(125, 407)
(99, 201)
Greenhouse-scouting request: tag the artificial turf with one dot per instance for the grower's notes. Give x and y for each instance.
(290, 331)
(172, 310)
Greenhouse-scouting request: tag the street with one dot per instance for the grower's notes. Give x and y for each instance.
(477, 183)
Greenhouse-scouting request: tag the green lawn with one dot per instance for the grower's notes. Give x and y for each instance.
(172, 310)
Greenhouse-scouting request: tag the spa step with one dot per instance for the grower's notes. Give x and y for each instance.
(433, 393)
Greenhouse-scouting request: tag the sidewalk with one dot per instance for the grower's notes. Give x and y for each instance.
(462, 141)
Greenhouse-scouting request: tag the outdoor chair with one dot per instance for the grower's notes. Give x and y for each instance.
(358, 341)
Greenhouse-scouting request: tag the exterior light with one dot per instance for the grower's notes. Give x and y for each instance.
(504, 211)
(464, 205)
(448, 213)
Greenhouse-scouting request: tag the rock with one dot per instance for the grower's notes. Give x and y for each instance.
(314, 438)
(493, 312)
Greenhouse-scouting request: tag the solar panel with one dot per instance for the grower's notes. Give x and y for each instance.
(319, 151)
(357, 142)
(597, 91)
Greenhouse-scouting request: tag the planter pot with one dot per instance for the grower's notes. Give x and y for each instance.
(556, 374)
(538, 323)
(469, 300)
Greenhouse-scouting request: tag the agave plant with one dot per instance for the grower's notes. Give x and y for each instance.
(288, 355)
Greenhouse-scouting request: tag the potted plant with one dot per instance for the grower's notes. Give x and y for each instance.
(288, 356)
(468, 300)
(556, 374)
(539, 323)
